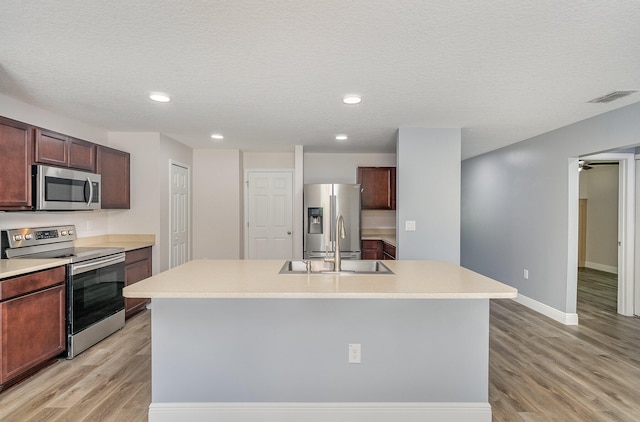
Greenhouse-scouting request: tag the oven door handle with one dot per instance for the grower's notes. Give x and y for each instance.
(96, 264)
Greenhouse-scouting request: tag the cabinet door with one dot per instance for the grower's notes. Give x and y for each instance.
(389, 252)
(51, 148)
(33, 330)
(137, 267)
(82, 154)
(378, 187)
(15, 171)
(113, 165)
(371, 249)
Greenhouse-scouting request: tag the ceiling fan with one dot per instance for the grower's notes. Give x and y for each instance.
(586, 165)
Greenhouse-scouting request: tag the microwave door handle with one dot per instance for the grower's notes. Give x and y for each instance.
(90, 191)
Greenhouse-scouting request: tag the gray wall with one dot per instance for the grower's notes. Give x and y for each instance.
(296, 350)
(428, 180)
(515, 205)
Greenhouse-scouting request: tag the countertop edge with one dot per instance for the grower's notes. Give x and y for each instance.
(15, 267)
(254, 295)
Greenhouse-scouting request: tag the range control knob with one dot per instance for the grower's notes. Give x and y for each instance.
(28, 236)
(70, 232)
(63, 232)
(17, 237)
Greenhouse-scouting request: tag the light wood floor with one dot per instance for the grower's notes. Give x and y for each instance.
(540, 370)
(109, 382)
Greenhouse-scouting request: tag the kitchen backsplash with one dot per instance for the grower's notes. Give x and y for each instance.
(378, 219)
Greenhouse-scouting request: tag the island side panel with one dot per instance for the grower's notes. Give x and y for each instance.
(296, 350)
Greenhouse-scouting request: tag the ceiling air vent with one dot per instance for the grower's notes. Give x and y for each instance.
(612, 96)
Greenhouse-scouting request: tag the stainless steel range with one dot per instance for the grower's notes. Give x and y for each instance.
(95, 279)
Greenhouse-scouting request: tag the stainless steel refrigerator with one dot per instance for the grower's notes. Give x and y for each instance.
(323, 203)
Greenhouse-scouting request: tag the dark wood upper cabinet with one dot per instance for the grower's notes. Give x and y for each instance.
(64, 151)
(82, 154)
(114, 167)
(51, 148)
(16, 156)
(378, 187)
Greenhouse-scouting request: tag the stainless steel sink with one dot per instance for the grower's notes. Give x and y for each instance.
(349, 266)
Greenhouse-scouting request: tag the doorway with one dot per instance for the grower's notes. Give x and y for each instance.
(179, 214)
(616, 225)
(269, 215)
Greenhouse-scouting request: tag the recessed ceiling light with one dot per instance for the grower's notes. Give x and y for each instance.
(217, 136)
(341, 137)
(352, 99)
(159, 97)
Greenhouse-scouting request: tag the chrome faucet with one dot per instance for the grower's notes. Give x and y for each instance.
(339, 234)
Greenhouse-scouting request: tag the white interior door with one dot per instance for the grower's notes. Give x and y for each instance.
(270, 215)
(179, 215)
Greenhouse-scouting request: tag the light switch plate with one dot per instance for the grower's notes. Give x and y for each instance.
(355, 353)
(410, 226)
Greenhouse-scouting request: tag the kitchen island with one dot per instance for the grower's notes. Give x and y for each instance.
(235, 340)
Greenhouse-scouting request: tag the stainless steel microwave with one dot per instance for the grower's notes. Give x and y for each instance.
(59, 189)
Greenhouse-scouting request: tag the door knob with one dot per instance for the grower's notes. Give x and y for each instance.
(288, 233)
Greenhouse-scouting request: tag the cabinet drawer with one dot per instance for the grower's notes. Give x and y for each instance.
(137, 255)
(27, 283)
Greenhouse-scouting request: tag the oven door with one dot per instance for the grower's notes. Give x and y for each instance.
(95, 291)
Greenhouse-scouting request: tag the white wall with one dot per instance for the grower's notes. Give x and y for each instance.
(428, 180)
(599, 186)
(217, 204)
(515, 206)
(341, 168)
(268, 160)
(150, 153)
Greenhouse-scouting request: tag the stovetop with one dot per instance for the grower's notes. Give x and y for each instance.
(76, 254)
(47, 243)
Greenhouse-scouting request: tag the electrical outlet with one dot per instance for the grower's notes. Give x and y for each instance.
(355, 353)
(526, 274)
(410, 226)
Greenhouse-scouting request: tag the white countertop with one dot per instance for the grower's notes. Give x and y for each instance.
(130, 242)
(14, 267)
(127, 241)
(386, 235)
(261, 279)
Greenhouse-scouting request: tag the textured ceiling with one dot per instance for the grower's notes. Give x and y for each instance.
(271, 74)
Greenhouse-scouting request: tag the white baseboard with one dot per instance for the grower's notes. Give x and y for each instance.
(319, 412)
(601, 267)
(546, 310)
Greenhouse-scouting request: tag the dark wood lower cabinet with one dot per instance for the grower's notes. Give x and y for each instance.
(388, 251)
(378, 249)
(33, 328)
(137, 267)
(372, 249)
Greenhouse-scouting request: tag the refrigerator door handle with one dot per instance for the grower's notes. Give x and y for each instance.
(332, 207)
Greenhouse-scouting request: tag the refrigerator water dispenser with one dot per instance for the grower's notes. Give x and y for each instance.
(314, 220)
